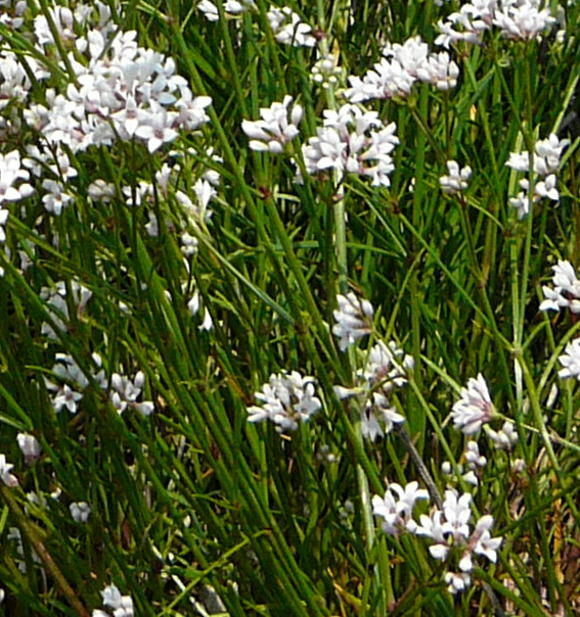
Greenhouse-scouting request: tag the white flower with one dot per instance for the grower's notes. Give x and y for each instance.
(484, 544)
(353, 319)
(396, 508)
(5, 475)
(385, 80)
(457, 512)
(112, 598)
(65, 397)
(457, 179)
(566, 292)
(472, 456)
(352, 141)
(474, 408)
(432, 527)
(11, 172)
(80, 511)
(570, 360)
(277, 127)
(286, 400)
(468, 24)
(29, 446)
(411, 55)
(378, 417)
(125, 393)
(505, 438)
(385, 369)
(457, 581)
(3, 219)
(288, 28)
(157, 128)
(440, 71)
(325, 71)
(209, 10)
(100, 190)
(231, 7)
(524, 22)
(57, 199)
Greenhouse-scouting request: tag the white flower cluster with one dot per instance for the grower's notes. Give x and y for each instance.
(474, 408)
(570, 360)
(72, 382)
(400, 67)
(354, 141)
(120, 90)
(29, 446)
(566, 290)
(325, 71)
(7, 478)
(231, 8)
(457, 180)
(54, 163)
(505, 438)
(57, 305)
(286, 400)
(11, 15)
(517, 19)
(448, 529)
(385, 369)
(278, 126)
(546, 160)
(125, 392)
(473, 462)
(11, 172)
(80, 511)
(289, 29)
(396, 507)
(354, 319)
(121, 606)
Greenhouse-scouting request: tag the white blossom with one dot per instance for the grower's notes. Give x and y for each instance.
(125, 392)
(353, 319)
(546, 160)
(289, 29)
(352, 141)
(457, 581)
(277, 127)
(396, 507)
(505, 438)
(11, 171)
(472, 456)
(566, 290)
(440, 71)
(474, 408)
(457, 180)
(522, 21)
(570, 360)
(286, 400)
(7, 478)
(122, 606)
(80, 511)
(121, 91)
(325, 71)
(29, 446)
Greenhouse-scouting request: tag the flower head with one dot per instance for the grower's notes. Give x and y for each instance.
(286, 400)
(277, 127)
(570, 360)
(474, 408)
(352, 141)
(353, 319)
(5, 475)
